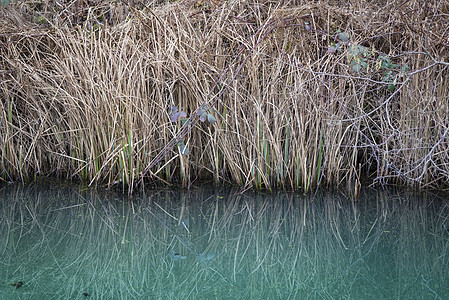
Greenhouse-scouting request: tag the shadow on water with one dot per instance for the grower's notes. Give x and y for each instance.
(65, 243)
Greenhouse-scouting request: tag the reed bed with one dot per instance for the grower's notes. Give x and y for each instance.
(299, 94)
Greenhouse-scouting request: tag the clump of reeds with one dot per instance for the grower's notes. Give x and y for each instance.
(303, 94)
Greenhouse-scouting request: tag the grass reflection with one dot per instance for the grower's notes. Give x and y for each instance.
(218, 244)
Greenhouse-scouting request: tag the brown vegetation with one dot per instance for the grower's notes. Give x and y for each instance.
(304, 94)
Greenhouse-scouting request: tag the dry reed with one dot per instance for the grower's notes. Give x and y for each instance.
(304, 94)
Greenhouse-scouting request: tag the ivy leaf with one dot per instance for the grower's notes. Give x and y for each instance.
(183, 148)
(185, 121)
(332, 49)
(356, 67)
(203, 115)
(174, 117)
(393, 66)
(178, 115)
(307, 26)
(211, 118)
(173, 109)
(343, 36)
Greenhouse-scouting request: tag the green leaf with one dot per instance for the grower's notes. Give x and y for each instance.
(393, 66)
(307, 26)
(386, 78)
(332, 49)
(391, 87)
(211, 118)
(385, 62)
(6, 2)
(343, 36)
(357, 67)
(178, 115)
(203, 115)
(173, 109)
(405, 68)
(183, 148)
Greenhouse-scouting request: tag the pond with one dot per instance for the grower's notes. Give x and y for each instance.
(66, 242)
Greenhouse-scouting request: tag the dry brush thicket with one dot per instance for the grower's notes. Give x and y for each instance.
(304, 93)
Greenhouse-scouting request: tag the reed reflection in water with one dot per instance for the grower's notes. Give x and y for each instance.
(63, 242)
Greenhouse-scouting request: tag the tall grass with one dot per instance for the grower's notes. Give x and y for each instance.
(304, 94)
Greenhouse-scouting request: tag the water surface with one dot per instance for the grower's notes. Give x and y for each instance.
(63, 242)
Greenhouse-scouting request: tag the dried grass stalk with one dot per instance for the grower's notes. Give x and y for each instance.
(302, 93)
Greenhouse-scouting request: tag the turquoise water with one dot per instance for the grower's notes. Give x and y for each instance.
(63, 242)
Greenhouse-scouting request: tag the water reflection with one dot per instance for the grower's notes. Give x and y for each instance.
(66, 243)
(175, 256)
